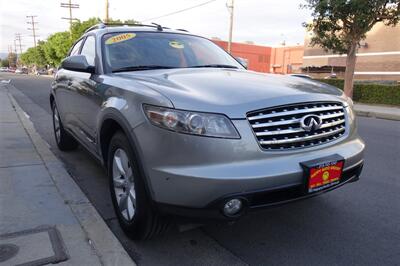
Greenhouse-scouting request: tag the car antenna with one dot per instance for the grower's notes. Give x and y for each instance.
(159, 27)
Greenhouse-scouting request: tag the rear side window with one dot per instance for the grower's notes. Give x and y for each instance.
(75, 49)
(89, 50)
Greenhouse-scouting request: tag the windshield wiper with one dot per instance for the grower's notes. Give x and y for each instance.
(215, 65)
(138, 68)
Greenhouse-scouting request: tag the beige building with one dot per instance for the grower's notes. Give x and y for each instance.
(286, 59)
(378, 57)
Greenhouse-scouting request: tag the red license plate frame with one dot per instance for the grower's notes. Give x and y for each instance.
(321, 174)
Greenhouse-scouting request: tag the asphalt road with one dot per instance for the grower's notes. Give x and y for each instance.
(358, 224)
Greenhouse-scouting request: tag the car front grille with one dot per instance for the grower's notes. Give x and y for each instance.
(279, 128)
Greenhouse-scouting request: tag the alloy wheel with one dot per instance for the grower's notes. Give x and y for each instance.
(124, 186)
(57, 129)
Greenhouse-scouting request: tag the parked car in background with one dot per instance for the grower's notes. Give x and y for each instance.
(21, 71)
(3, 69)
(52, 71)
(331, 76)
(182, 128)
(41, 72)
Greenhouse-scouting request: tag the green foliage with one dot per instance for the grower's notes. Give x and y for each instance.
(371, 93)
(79, 28)
(34, 55)
(338, 24)
(56, 47)
(339, 83)
(4, 63)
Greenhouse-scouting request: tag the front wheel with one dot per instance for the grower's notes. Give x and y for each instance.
(65, 141)
(131, 203)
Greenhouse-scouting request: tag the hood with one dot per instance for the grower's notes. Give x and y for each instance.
(230, 91)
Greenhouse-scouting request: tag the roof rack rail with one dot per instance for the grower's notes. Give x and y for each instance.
(103, 25)
(136, 25)
(95, 27)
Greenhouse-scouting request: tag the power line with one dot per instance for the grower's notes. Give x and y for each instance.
(33, 29)
(179, 11)
(70, 6)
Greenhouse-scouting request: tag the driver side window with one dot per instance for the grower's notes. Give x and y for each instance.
(89, 50)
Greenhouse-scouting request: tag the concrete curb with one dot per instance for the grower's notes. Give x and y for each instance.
(395, 117)
(105, 244)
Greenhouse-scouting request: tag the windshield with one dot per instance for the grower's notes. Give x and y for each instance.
(147, 50)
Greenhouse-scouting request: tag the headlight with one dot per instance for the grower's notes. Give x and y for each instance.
(203, 124)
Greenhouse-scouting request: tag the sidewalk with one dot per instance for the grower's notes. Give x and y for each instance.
(44, 216)
(377, 111)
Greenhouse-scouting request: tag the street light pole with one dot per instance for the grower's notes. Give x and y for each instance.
(230, 8)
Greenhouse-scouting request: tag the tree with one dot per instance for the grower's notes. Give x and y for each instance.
(56, 47)
(12, 59)
(79, 28)
(4, 63)
(340, 25)
(35, 56)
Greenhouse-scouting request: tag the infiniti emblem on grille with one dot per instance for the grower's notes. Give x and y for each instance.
(311, 122)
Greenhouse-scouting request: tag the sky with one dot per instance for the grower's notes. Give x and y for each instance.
(264, 22)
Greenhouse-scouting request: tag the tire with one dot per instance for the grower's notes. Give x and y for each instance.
(135, 214)
(64, 140)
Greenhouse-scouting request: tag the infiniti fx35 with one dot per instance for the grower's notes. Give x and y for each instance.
(182, 128)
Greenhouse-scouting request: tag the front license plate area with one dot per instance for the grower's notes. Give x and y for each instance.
(322, 173)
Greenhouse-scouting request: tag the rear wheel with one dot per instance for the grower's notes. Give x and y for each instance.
(64, 140)
(131, 203)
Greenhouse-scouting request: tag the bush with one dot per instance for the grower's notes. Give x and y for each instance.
(371, 93)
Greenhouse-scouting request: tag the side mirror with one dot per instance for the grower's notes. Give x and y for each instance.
(244, 62)
(77, 63)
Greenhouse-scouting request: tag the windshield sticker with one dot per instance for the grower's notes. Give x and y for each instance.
(176, 44)
(120, 38)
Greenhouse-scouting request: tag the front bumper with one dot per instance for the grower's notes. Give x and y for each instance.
(195, 172)
(256, 200)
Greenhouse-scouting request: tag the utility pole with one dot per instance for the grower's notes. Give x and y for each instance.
(230, 7)
(107, 15)
(18, 38)
(15, 46)
(33, 29)
(70, 6)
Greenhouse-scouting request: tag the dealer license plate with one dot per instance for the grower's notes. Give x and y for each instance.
(324, 173)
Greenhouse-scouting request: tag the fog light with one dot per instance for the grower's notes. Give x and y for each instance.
(233, 207)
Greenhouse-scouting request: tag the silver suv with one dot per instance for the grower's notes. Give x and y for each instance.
(183, 128)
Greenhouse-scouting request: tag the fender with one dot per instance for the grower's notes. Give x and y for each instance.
(114, 114)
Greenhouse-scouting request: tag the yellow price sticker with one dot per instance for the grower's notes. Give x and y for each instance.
(176, 44)
(120, 38)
